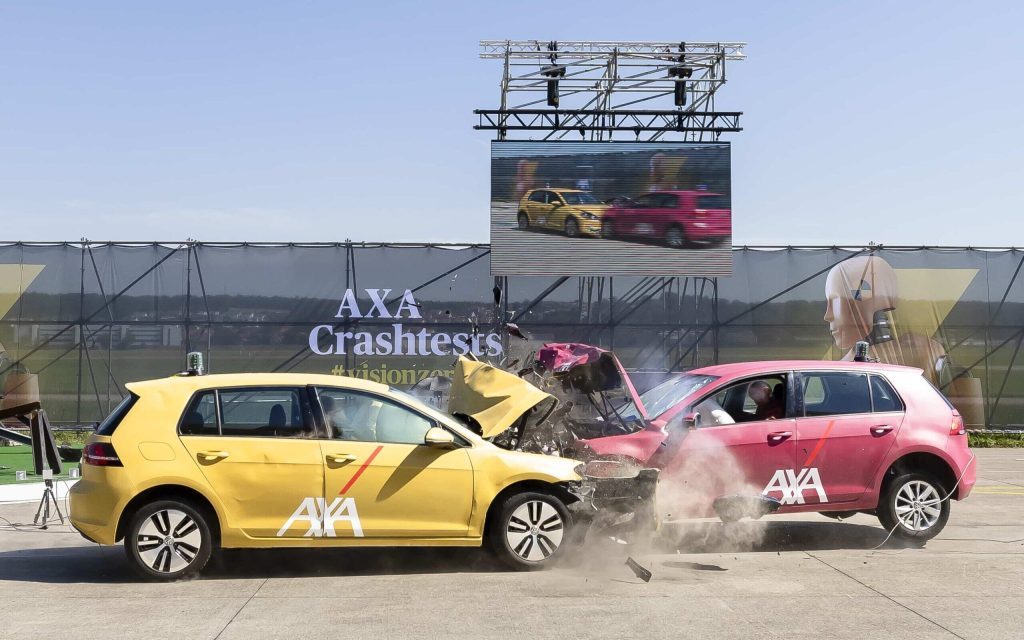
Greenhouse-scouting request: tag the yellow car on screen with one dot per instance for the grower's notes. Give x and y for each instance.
(570, 211)
(188, 464)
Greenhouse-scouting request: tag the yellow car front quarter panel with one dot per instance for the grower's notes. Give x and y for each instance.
(497, 471)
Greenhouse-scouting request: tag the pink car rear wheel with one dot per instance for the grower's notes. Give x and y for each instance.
(914, 506)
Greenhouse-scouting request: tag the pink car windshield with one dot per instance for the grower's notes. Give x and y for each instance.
(669, 393)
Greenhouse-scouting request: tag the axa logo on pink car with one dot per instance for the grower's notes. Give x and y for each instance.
(792, 484)
(321, 517)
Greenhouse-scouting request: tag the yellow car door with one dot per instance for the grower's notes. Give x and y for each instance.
(557, 212)
(540, 209)
(381, 479)
(256, 447)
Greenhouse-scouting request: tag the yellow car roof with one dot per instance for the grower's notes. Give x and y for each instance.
(188, 384)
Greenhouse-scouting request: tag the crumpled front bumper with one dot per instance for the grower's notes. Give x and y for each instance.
(615, 500)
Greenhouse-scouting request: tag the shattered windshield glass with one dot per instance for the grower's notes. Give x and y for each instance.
(662, 397)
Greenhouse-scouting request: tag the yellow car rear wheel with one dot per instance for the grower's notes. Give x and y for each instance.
(168, 540)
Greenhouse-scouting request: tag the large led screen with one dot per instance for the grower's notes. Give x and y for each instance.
(611, 208)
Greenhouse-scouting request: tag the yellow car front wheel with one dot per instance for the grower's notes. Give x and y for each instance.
(531, 530)
(572, 228)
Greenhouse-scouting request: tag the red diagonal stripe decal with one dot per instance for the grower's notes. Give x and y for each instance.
(821, 443)
(359, 471)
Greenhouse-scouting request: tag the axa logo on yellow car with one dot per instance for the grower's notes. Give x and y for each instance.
(321, 518)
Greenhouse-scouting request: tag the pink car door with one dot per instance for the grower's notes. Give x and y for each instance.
(846, 424)
(731, 449)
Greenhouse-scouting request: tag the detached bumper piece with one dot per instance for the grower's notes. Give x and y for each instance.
(736, 507)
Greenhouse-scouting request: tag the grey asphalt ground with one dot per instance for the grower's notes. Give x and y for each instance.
(802, 577)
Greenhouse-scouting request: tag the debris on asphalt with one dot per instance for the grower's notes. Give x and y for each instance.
(696, 566)
(638, 570)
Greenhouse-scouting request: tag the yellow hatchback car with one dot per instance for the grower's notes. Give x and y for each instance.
(570, 211)
(188, 464)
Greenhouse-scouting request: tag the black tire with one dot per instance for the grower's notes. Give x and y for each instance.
(675, 237)
(523, 221)
(186, 545)
(525, 533)
(920, 522)
(608, 230)
(572, 228)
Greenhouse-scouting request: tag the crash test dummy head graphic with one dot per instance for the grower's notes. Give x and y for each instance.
(862, 302)
(858, 293)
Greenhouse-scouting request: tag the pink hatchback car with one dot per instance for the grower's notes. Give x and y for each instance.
(677, 218)
(833, 437)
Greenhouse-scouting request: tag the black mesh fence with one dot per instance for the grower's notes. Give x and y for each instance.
(80, 320)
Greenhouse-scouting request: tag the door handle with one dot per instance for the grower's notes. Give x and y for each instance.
(214, 455)
(341, 457)
(880, 430)
(779, 436)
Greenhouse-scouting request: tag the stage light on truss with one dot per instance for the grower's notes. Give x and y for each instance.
(680, 73)
(553, 72)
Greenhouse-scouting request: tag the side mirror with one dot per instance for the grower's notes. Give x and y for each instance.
(691, 420)
(439, 438)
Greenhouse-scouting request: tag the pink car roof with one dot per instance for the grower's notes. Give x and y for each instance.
(750, 368)
(687, 192)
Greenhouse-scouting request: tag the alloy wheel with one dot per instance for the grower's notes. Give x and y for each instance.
(918, 505)
(168, 541)
(534, 530)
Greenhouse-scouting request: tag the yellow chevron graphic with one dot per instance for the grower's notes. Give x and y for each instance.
(14, 279)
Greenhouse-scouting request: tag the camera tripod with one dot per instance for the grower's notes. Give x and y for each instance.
(43, 512)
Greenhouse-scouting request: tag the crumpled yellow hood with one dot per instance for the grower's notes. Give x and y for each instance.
(493, 397)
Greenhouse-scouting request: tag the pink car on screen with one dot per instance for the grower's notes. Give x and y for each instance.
(833, 437)
(676, 218)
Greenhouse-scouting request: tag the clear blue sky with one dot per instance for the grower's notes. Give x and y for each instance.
(895, 122)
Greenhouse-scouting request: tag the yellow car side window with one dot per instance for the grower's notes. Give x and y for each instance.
(358, 416)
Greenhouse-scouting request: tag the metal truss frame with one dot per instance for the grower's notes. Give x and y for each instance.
(600, 84)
